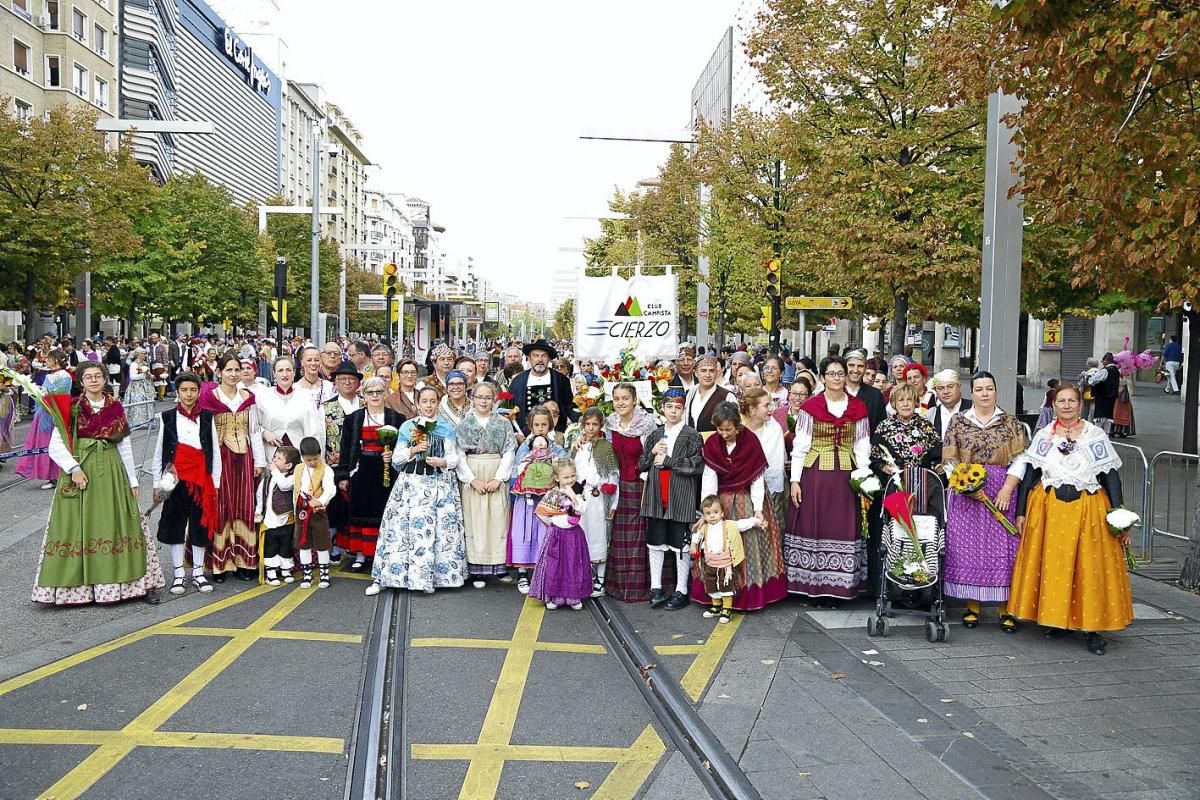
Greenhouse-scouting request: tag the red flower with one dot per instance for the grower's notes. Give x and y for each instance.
(608, 488)
(504, 396)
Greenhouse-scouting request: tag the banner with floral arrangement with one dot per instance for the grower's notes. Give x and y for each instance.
(614, 313)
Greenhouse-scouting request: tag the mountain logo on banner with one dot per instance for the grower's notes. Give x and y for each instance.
(630, 308)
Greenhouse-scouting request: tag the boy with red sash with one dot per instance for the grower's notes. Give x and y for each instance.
(187, 472)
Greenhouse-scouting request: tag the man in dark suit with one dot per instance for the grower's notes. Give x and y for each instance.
(703, 399)
(539, 383)
(856, 367)
(948, 388)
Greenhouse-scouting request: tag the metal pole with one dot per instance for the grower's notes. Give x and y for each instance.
(315, 291)
(83, 313)
(342, 326)
(1002, 234)
(702, 287)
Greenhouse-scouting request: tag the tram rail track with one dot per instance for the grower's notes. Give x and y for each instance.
(378, 762)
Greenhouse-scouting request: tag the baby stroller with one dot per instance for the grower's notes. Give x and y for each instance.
(915, 499)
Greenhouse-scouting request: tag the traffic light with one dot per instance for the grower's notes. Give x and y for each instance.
(768, 318)
(774, 270)
(279, 312)
(390, 282)
(66, 298)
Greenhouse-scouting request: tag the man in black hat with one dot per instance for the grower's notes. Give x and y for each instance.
(539, 384)
(346, 379)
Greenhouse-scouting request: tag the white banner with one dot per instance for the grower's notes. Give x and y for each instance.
(613, 314)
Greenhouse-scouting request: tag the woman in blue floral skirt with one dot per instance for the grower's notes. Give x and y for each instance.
(421, 541)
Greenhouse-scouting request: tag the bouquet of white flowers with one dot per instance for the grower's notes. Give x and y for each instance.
(1120, 520)
(867, 485)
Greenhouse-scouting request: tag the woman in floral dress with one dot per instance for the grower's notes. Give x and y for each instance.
(421, 541)
(41, 466)
(905, 443)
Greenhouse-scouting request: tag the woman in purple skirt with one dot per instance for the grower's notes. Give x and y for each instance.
(824, 548)
(980, 553)
(563, 575)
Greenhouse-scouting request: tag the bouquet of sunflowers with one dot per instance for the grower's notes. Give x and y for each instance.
(968, 480)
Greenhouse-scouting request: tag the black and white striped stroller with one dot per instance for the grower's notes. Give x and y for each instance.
(912, 577)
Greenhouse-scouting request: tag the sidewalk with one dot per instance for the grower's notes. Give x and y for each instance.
(814, 708)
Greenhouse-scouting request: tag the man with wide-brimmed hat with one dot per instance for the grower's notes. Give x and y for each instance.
(539, 384)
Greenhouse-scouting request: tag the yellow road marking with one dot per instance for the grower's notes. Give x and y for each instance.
(483, 775)
(215, 741)
(95, 652)
(628, 775)
(705, 664)
(487, 756)
(99, 763)
(304, 636)
(679, 649)
(505, 644)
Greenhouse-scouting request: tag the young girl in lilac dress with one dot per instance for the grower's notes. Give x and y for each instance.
(563, 575)
(525, 529)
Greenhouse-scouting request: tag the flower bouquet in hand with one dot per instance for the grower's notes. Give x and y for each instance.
(388, 434)
(866, 484)
(968, 480)
(421, 431)
(507, 403)
(1120, 521)
(56, 406)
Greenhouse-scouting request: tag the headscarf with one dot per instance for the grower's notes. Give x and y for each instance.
(440, 350)
(456, 373)
(855, 355)
(946, 377)
(736, 471)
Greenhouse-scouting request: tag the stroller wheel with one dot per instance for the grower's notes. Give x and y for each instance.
(878, 626)
(931, 631)
(943, 632)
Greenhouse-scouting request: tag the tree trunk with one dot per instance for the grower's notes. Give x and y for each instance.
(1191, 382)
(900, 323)
(31, 314)
(1190, 577)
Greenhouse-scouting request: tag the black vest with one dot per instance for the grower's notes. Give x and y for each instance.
(171, 438)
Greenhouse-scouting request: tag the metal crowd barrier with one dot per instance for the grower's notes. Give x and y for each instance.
(1172, 481)
(1135, 486)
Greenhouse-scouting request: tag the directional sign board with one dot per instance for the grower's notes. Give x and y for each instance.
(818, 303)
(371, 302)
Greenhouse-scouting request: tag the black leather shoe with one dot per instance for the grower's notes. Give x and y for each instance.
(152, 597)
(1096, 644)
(246, 574)
(657, 598)
(678, 600)
(218, 577)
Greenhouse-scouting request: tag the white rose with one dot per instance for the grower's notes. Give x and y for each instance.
(167, 482)
(871, 485)
(593, 392)
(1122, 519)
(861, 474)
(912, 567)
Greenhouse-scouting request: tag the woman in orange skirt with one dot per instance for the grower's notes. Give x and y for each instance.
(1070, 572)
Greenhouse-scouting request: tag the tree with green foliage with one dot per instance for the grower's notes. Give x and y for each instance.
(564, 320)
(200, 257)
(67, 204)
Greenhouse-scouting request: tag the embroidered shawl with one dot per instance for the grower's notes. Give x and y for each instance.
(107, 423)
(641, 425)
(491, 436)
(1092, 455)
(736, 470)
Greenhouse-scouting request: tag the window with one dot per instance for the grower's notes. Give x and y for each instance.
(22, 8)
(101, 95)
(79, 25)
(80, 84)
(21, 58)
(53, 73)
(100, 40)
(52, 15)
(23, 110)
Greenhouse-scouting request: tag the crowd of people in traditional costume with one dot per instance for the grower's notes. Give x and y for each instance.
(727, 485)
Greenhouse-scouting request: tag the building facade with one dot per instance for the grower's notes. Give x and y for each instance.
(180, 61)
(389, 228)
(58, 52)
(303, 108)
(344, 182)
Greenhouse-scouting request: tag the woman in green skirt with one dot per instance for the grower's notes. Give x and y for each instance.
(96, 549)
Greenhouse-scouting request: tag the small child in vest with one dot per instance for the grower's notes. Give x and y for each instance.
(718, 553)
(276, 511)
(313, 490)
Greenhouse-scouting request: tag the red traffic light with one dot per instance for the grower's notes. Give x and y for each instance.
(389, 269)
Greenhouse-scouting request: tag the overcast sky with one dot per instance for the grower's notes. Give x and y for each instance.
(477, 107)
